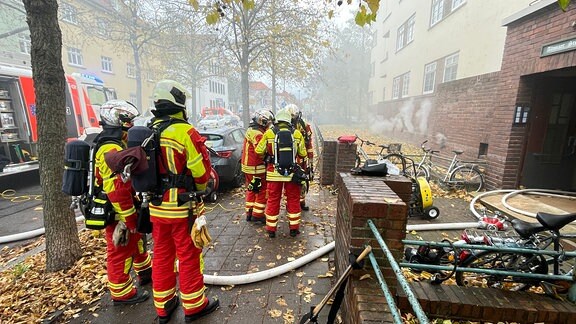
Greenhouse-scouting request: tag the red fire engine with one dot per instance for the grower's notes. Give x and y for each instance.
(18, 123)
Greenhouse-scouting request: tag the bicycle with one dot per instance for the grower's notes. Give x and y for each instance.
(458, 175)
(527, 236)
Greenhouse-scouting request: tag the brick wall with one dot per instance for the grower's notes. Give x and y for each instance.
(361, 198)
(328, 162)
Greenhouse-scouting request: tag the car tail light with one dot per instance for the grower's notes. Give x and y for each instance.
(225, 154)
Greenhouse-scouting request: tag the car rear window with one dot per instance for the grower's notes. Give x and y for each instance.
(213, 140)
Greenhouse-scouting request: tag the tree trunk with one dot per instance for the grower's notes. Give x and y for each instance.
(274, 91)
(245, 92)
(195, 102)
(137, 67)
(62, 243)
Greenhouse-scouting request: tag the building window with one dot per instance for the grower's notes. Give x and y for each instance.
(25, 44)
(75, 56)
(429, 77)
(400, 38)
(405, 33)
(69, 13)
(130, 70)
(103, 29)
(450, 67)
(133, 98)
(106, 64)
(405, 84)
(457, 3)
(437, 11)
(410, 29)
(396, 87)
(521, 115)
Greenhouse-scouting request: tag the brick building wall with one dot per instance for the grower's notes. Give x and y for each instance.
(328, 162)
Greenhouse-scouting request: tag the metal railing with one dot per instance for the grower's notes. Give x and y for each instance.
(422, 318)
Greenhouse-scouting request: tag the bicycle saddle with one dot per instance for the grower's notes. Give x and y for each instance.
(526, 229)
(555, 222)
(457, 152)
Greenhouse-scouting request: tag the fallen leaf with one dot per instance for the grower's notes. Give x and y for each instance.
(281, 302)
(274, 313)
(366, 276)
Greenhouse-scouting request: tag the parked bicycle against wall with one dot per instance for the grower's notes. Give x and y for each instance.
(459, 174)
(541, 236)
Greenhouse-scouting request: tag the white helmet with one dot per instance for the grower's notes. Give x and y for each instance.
(263, 117)
(118, 113)
(294, 111)
(169, 93)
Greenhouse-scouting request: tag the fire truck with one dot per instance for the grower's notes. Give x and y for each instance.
(18, 123)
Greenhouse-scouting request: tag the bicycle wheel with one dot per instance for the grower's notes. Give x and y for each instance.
(398, 160)
(466, 177)
(504, 261)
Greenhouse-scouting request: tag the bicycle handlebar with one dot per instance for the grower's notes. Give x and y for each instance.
(363, 141)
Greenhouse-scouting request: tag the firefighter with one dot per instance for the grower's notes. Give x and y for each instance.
(116, 118)
(307, 163)
(184, 166)
(287, 182)
(254, 167)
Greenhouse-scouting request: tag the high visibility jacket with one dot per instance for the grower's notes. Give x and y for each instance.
(266, 146)
(252, 163)
(306, 130)
(120, 194)
(183, 152)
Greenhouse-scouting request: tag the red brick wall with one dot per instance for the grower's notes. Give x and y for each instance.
(361, 198)
(328, 162)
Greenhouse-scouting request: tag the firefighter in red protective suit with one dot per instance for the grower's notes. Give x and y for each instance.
(184, 166)
(254, 167)
(307, 163)
(277, 183)
(116, 118)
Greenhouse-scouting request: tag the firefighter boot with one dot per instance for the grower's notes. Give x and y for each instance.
(140, 296)
(169, 308)
(304, 207)
(144, 277)
(249, 215)
(271, 234)
(294, 232)
(213, 304)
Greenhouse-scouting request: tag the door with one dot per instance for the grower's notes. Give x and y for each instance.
(551, 159)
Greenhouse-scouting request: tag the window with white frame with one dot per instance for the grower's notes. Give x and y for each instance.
(103, 29)
(25, 44)
(396, 87)
(75, 56)
(429, 77)
(410, 29)
(457, 3)
(69, 13)
(106, 64)
(437, 12)
(130, 70)
(405, 33)
(400, 38)
(405, 84)
(450, 67)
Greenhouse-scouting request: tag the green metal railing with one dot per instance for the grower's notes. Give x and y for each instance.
(422, 318)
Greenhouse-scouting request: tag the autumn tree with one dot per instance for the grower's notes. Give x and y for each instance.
(62, 242)
(136, 26)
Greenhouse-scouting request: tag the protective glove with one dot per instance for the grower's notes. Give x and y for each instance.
(199, 233)
(255, 184)
(121, 234)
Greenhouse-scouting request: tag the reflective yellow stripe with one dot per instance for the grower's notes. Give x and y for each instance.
(258, 169)
(168, 214)
(194, 161)
(121, 293)
(93, 222)
(193, 295)
(270, 217)
(128, 282)
(193, 305)
(163, 294)
(201, 264)
(139, 266)
(168, 143)
(127, 265)
(259, 205)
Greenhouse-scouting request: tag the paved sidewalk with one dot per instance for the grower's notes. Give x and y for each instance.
(239, 248)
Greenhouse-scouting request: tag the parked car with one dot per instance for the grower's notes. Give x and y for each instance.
(227, 142)
(231, 120)
(211, 121)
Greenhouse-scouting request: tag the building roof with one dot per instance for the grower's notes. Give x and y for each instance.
(257, 85)
(532, 8)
